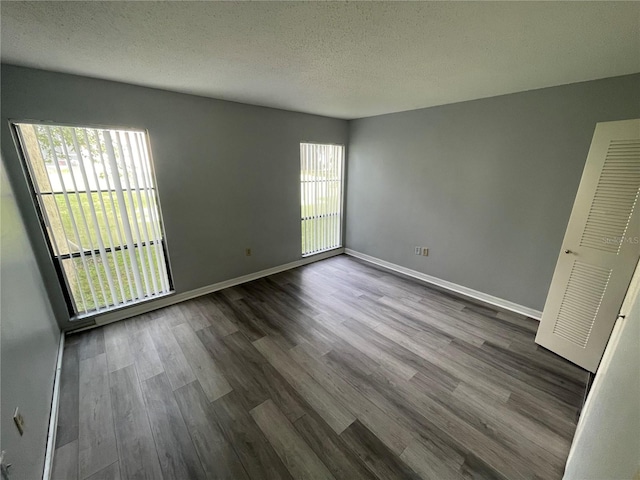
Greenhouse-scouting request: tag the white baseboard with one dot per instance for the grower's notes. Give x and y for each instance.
(53, 417)
(181, 297)
(468, 292)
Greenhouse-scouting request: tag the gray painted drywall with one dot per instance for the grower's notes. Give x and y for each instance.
(607, 441)
(29, 339)
(227, 173)
(487, 185)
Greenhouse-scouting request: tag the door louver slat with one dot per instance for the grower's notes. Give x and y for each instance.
(617, 195)
(581, 302)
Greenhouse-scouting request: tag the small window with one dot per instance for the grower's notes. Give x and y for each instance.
(321, 182)
(97, 200)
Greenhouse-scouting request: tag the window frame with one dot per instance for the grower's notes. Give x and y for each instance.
(343, 181)
(56, 260)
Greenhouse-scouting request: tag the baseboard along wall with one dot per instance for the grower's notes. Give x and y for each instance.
(172, 299)
(53, 415)
(445, 284)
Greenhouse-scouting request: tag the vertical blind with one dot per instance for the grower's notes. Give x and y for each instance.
(97, 200)
(321, 181)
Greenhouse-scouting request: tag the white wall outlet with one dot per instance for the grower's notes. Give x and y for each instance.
(425, 252)
(418, 251)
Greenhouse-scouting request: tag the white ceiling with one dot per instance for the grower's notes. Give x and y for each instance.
(339, 59)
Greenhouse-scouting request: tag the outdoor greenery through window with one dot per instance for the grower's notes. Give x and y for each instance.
(321, 173)
(97, 199)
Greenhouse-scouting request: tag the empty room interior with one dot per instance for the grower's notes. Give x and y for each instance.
(320, 240)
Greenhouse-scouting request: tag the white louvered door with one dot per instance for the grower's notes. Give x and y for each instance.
(600, 250)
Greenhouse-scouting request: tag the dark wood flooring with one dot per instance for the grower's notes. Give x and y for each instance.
(333, 370)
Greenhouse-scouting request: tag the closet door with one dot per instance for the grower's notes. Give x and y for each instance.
(600, 250)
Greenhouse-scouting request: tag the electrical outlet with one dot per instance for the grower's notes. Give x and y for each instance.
(19, 421)
(418, 251)
(247, 252)
(425, 252)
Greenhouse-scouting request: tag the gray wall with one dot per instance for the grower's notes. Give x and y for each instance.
(227, 173)
(29, 340)
(488, 185)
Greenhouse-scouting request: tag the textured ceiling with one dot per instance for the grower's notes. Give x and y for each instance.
(339, 59)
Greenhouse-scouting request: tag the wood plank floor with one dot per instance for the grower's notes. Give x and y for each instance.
(336, 370)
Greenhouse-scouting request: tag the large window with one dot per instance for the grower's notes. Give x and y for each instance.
(96, 196)
(321, 181)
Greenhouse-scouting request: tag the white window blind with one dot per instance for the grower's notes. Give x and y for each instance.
(97, 201)
(321, 179)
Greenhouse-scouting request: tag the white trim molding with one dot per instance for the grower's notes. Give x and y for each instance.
(453, 287)
(53, 416)
(167, 300)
